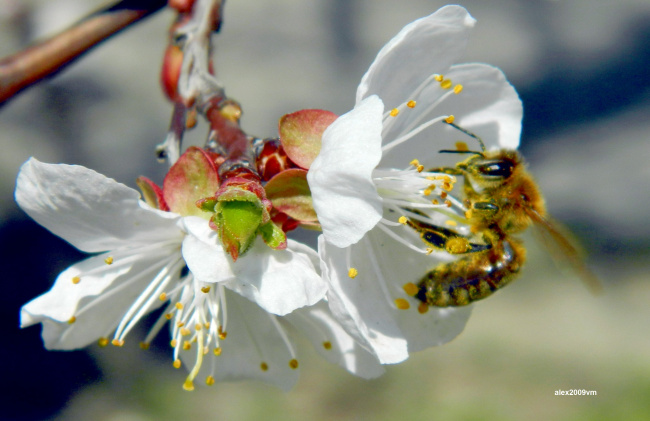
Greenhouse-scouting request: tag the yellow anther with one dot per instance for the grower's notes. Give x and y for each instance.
(109, 260)
(207, 325)
(411, 104)
(217, 351)
(443, 194)
(414, 163)
(162, 297)
(411, 289)
(428, 191)
(185, 331)
(177, 363)
(188, 385)
(446, 84)
(206, 350)
(448, 203)
(264, 366)
(198, 326)
(76, 280)
(402, 220)
(293, 363)
(435, 202)
(461, 146)
(394, 112)
(205, 289)
(420, 168)
(458, 89)
(72, 319)
(180, 324)
(117, 342)
(169, 316)
(209, 380)
(353, 272)
(429, 250)
(439, 78)
(173, 343)
(450, 119)
(187, 345)
(102, 342)
(327, 345)
(402, 304)
(423, 308)
(144, 345)
(179, 306)
(451, 222)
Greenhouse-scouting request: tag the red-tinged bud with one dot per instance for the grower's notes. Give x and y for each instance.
(171, 70)
(182, 6)
(272, 159)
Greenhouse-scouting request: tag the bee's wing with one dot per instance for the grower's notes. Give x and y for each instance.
(564, 249)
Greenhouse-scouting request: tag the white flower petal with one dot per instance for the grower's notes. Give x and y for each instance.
(252, 339)
(488, 106)
(426, 46)
(280, 281)
(360, 305)
(340, 178)
(332, 342)
(98, 300)
(90, 211)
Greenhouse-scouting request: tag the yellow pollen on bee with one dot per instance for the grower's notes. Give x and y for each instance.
(102, 342)
(217, 351)
(264, 366)
(446, 84)
(185, 331)
(327, 345)
(293, 363)
(410, 289)
(411, 104)
(205, 289)
(458, 89)
(451, 222)
(162, 296)
(461, 146)
(353, 272)
(179, 306)
(402, 220)
(450, 119)
(468, 214)
(144, 345)
(177, 363)
(117, 342)
(109, 260)
(76, 280)
(209, 380)
(394, 112)
(423, 308)
(173, 343)
(402, 304)
(439, 78)
(187, 345)
(457, 245)
(72, 319)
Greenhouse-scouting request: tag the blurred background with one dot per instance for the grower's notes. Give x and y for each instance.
(581, 68)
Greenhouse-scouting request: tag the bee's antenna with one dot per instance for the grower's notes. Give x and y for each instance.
(468, 133)
(457, 151)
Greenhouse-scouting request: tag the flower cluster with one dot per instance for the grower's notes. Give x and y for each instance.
(231, 300)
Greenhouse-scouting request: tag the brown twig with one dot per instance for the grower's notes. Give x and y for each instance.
(31, 65)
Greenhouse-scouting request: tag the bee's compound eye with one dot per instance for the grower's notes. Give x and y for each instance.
(496, 169)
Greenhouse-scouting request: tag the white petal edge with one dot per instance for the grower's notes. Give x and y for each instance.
(340, 178)
(92, 212)
(425, 46)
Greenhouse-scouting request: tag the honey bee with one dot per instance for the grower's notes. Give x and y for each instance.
(501, 200)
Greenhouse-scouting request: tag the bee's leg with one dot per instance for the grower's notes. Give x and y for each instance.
(446, 170)
(444, 239)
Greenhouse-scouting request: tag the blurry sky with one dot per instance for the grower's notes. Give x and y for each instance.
(581, 68)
